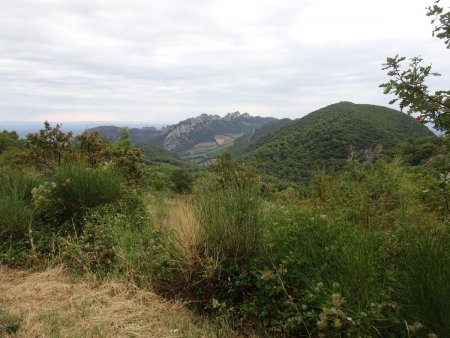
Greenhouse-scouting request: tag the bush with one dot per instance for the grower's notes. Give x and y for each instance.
(15, 206)
(314, 277)
(73, 189)
(117, 239)
(381, 195)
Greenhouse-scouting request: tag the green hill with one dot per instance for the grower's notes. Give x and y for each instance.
(155, 156)
(254, 138)
(324, 139)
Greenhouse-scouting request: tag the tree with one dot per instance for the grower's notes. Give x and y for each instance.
(7, 139)
(92, 147)
(409, 85)
(48, 147)
(182, 181)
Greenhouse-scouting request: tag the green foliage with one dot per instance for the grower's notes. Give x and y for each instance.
(10, 322)
(182, 181)
(117, 239)
(73, 189)
(316, 277)
(218, 238)
(422, 257)
(418, 151)
(155, 157)
(409, 86)
(442, 30)
(128, 162)
(8, 139)
(379, 195)
(231, 223)
(92, 148)
(16, 214)
(49, 147)
(254, 138)
(325, 139)
(124, 140)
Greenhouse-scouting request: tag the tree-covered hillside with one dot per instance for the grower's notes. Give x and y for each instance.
(324, 139)
(252, 139)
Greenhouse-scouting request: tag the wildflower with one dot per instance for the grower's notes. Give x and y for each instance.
(215, 303)
(336, 299)
(415, 327)
(318, 287)
(432, 335)
(322, 324)
(336, 285)
(266, 275)
(337, 323)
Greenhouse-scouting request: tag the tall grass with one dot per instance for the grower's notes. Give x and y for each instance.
(231, 221)
(423, 260)
(15, 205)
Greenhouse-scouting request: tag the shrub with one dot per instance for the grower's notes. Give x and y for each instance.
(15, 206)
(114, 241)
(73, 189)
(381, 195)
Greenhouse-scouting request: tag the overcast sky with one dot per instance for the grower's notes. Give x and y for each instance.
(167, 60)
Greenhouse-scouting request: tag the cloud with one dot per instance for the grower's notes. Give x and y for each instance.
(164, 61)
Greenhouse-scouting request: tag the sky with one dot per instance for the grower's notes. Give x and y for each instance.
(163, 61)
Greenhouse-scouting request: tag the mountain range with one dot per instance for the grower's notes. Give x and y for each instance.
(195, 138)
(284, 149)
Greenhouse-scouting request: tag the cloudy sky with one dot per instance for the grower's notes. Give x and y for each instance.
(167, 60)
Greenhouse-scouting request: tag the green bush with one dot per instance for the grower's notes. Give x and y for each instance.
(115, 241)
(382, 195)
(15, 206)
(73, 189)
(314, 277)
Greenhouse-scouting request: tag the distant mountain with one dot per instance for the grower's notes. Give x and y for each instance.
(324, 139)
(137, 135)
(193, 136)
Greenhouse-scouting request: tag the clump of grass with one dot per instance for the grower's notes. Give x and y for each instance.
(231, 221)
(15, 205)
(184, 238)
(10, 322)
(422, 255)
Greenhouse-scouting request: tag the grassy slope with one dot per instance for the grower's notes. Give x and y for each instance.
(325, 139)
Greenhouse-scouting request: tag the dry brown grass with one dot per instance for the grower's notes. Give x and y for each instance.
(53, 305)
(183, 236)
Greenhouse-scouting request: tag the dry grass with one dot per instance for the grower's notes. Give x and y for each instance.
(52, 305)
(184, 236)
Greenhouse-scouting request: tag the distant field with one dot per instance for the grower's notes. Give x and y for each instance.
(205, 152)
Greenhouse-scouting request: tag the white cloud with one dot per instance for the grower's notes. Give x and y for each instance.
(166, 60)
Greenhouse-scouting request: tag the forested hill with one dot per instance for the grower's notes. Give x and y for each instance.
(324, 139)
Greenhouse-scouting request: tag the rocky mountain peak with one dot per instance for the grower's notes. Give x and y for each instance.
(236, 114)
